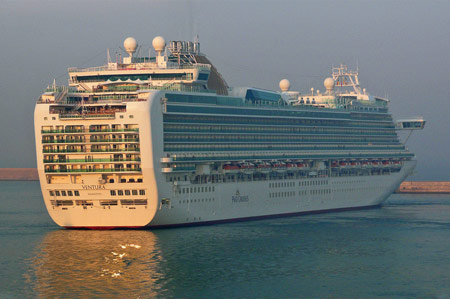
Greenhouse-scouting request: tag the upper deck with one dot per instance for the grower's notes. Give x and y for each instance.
(181, 67)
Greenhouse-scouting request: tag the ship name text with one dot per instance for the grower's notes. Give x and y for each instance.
(93, 187)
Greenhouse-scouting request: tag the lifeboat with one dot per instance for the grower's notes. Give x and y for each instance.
(397, 164)
(279, 166)
(302, 166)
(355, 164)
(247, 167)
(291, 166)
(366, 164)
(376, 163)
(344, 164)
(386, 163)
(263, 167)
(231, 168)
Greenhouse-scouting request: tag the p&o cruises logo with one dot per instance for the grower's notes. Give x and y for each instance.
(239, 198)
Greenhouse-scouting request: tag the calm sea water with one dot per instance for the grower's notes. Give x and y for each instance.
(401, 250)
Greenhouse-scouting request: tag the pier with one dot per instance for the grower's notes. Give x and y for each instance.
(18, 174)
(424, 187)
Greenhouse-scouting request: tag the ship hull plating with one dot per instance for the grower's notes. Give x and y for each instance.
(255, 200)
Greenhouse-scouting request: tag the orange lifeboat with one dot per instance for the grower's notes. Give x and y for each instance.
(279, 166)
(366, 164)
(290, 166)
(302, 166)
(263, 167)
(231, 168)
(376, 163)
(247, 167)
(344, 164)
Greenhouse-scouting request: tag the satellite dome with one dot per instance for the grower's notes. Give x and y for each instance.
(159, 43)
(329, 83)
(284, 85)
(130, 45)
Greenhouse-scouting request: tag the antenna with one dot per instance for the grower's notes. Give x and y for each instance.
(138, 51)
(108, 56)
(196, 44)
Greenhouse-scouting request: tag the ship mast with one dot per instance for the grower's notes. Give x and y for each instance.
(343, 77)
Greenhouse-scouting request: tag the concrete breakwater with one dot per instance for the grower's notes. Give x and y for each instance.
(424, 187)
(18, 174)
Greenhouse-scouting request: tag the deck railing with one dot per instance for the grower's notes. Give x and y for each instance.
(199, 66)
(91, 160)
(94, 170)
(47, 151)
(91, 140)
(90, 131)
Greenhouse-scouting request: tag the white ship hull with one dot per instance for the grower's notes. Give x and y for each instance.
(255, 200)
(258, 200)
(167, 205)
(163, 141)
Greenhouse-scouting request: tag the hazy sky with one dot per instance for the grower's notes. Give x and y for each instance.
(402, 49)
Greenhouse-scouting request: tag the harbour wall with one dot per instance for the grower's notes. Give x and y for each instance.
(18, 174)
(424, 187)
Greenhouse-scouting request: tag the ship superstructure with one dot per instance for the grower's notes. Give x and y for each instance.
(163, 140)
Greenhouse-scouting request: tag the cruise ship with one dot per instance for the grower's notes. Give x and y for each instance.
(162, 140)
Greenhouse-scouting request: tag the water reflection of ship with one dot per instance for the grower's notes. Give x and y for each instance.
(96, 263)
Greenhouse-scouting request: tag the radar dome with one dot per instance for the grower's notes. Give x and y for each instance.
(284, 85)
(329, 83)
(159, 43)
(130, 45)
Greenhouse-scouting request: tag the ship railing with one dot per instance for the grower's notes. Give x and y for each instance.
(115, 150)
(116, 140)
(178, 87)
(294, 156)
(90, 131)
(86, 115)
(94, 170)
(49, 151)
(113, 130)
(199, 66)
(92, 140)
(56, 89)
(67, 160)
(64, 141)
